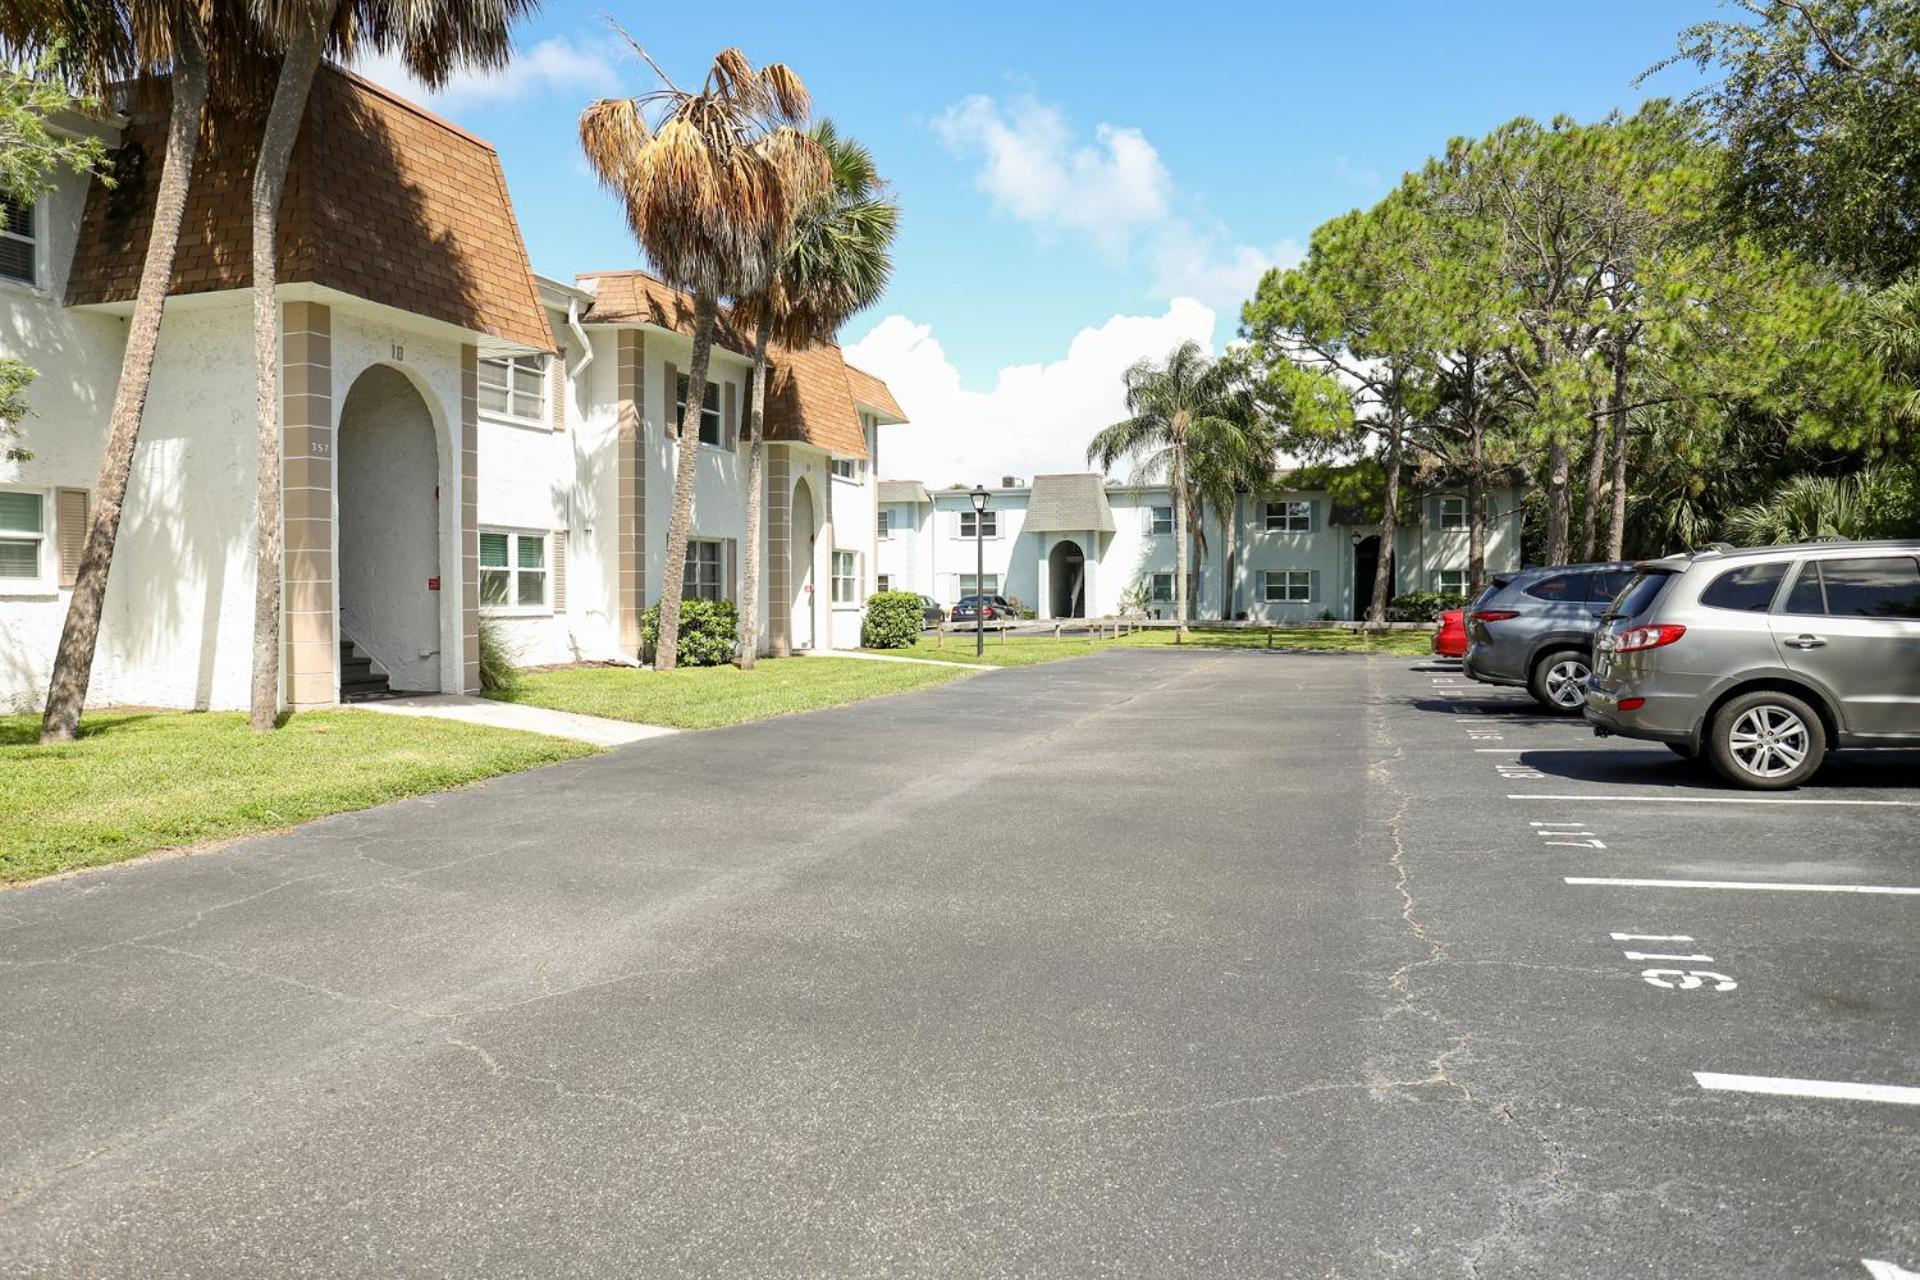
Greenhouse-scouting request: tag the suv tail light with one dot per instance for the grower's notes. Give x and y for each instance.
(1494, 615)
(1651, 637)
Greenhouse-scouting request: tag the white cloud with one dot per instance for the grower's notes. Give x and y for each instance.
(1036, 419)
(584, 70)
(1113, 190)
(1033, 169)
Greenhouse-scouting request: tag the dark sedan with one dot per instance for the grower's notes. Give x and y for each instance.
(931, 614)
(993, 611)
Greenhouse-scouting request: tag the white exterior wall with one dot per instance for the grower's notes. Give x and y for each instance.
(906, 555)
(1008, 553)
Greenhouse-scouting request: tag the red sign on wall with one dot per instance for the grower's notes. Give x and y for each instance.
(433, 584)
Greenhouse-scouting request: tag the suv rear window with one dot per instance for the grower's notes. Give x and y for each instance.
(1876, 587)
(1748, 589)
(1609, 584)
(1561, 586)
(1640, 593)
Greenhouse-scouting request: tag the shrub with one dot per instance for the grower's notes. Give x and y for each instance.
(892, 621)
(1423, 606)
(497, 672)
(709, 632)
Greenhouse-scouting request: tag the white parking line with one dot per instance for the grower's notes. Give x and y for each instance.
(1894, 804)
(1785, 1087)
(1881, 1270)
(1653, 937)
(1764, 885)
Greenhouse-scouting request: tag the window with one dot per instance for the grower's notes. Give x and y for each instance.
(884, 527)
(514, 387)
(1161, 589)
(23, 535)
(846, 577)
(883, 583)
(1453, 512)
(1880, 587)
(1607, 584)
(19, 249)
(1747, 589)
(1162, 521)
(709, 409)
(1638, 595)
(1290, 586)
(989, 524)
(706, 566)
(1453, 580)
(1289, 517)
(513, 570)
(846, 468)
(989, 585)
(1562, 587)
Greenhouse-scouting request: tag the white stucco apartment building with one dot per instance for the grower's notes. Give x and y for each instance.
(461, 438)
(1076, 545)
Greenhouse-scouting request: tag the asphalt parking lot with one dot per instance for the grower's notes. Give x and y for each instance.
(1151, 963)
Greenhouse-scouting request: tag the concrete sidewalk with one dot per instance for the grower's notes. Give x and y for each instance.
(509, 715)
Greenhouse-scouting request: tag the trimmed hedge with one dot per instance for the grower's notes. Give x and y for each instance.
(709, 632)
(892, 621)
(1423, 606)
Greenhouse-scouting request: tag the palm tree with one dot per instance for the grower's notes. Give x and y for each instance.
(834, 265)
(1808, 507)
(433, 38)
(96, 45)
(1185, 403)
(712, 186)
(1227, 456)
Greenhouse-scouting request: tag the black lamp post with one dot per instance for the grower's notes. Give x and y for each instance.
(980, 497)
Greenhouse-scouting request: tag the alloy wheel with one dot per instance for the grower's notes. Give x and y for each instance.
(1768, 741)
(1567, 682)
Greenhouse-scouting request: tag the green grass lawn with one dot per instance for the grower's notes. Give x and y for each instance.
(139, 781)
(1023, 651)
(708, 697)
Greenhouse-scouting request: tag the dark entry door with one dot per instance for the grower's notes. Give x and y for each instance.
(1366, 563)
(1067, 575)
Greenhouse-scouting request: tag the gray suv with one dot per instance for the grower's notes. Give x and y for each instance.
(1764, 659)
(1535, 629)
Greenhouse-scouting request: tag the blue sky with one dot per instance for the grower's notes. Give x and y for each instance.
(1081, 184)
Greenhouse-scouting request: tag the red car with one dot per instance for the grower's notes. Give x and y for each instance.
(1450, 641)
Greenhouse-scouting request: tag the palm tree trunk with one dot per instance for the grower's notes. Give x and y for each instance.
(1179, 541)
(1596, 477)
(73, 662)
(756, 468)
(1558, 498)
(269, 185)
(673, 579)
(1227, 574)
(1617, 517)
(1389, 530)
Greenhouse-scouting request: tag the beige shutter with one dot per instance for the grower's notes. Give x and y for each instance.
(671, 393)
(557, 389)
(559, 570)
(732, 571)
(70, 531)
(730, 414)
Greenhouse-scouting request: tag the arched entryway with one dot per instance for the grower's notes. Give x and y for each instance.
(388, 468)
(800, 547)
(1067, 580)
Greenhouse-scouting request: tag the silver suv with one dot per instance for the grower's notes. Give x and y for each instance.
(1763, 659)
(1535, 628)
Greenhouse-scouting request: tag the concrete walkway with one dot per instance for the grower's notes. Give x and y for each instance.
(864, 656)
(510, 715)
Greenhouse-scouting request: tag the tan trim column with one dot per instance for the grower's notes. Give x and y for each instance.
(630, 521)
(779, 575)
(469, 519)
(310, 591)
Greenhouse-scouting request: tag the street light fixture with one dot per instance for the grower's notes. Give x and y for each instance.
(980, 498)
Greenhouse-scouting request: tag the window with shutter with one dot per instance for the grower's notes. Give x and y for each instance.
(70, 532)
(23, 536)
(19, 243)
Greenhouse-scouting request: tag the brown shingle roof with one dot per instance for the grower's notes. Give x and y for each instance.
(810, 392)
(384, 201)
(873, 393)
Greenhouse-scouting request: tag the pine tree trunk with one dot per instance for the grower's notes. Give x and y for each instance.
(1558, 498)
(673, 577)
(1179, 540)
(73, 661)
(1476, 508)
(1596, 477)
(1617, 516)
(756, 503)
(269, 185)
(1389, 531)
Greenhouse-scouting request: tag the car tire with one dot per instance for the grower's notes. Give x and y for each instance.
(1766, 741)
(1558, 681)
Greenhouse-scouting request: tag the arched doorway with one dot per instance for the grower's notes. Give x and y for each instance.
(388, 469)
(1067, 580)
(1366, 563)
(800, 547)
